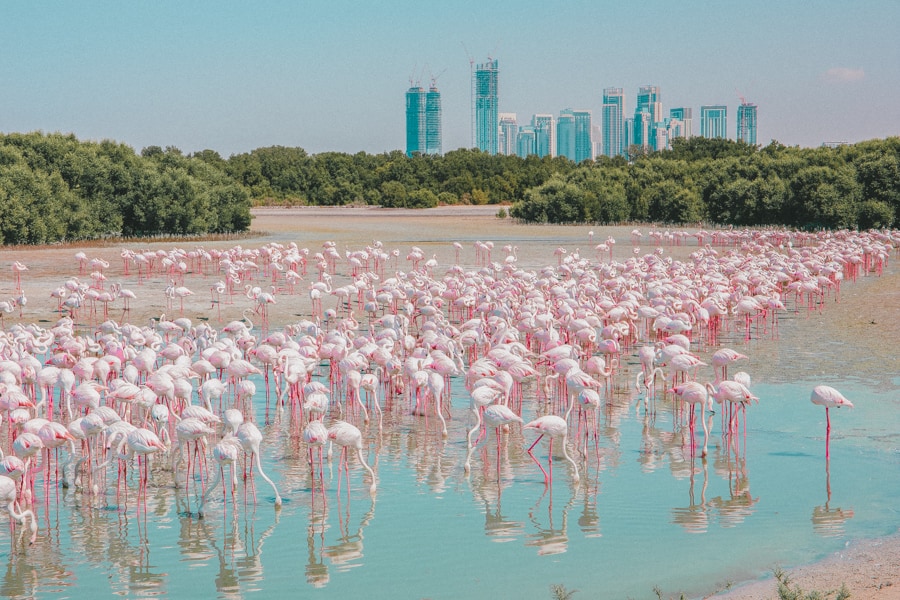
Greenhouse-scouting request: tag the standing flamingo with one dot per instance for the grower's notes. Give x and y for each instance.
(347, 435)
(250, 438)
(8, 500)
(555, 427)
(828, 397)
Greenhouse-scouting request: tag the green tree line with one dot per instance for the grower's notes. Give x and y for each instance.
(725, 182)
(54, 187)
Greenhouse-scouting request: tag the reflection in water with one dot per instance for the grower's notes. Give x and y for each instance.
(348, 551)
(589, 521)
(496, 526)
(739, 505)
(550, 539)
(827, 521)
(316, 568)
(694, 517)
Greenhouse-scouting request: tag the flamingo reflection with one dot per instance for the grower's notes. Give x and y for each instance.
(827, 521)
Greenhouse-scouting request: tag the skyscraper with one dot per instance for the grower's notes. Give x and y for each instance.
(648, 118)
(746, 123)
(649, 100)
(642, 126)
(613, 121)
(544, 135)
(714, 121)
(415, 120)
(565, 134)
(685, 115)
(433, 143)
(525, 141)
(509, 129)
(486, 107)
(584, 146)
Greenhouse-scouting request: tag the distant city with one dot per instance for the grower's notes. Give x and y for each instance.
(572, 133)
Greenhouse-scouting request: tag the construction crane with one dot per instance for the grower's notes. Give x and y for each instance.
(434, 77)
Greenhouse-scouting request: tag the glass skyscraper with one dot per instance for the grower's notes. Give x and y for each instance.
(584, 145)
(648, 100)
(487, 122)
(685, 116)
(613, 121)
(544, 135)
(525, 141)
(746, 123)
(433, 143)
(714, 121)
(509, 129)
(423, 121)
(565, 134)
(415, 120)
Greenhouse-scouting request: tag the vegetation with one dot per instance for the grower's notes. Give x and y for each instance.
(55, 188)
(786, 592)
(559, 592)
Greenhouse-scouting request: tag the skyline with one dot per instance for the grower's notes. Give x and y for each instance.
(333, 77)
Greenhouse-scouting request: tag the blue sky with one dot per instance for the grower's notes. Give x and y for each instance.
(331, 75)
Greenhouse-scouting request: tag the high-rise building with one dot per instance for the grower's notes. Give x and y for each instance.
(423, 121)
(509, 130)
(487, 121)
(746, 123)
(565, 134)
(649, 100)
(433, 143)
(544, 135)
(685, 115)
(714, 121)
(584, 146)
(525, 141)
(642, 126)
(648, 117)
(613, 121)
(415, 120)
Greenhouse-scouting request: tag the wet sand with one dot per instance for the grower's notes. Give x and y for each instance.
(853, 336)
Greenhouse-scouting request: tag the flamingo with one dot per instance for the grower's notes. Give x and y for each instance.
(250, 438)
(225, 453)
(346, 435)
(827, 396)
(9, 501)
(554, 427)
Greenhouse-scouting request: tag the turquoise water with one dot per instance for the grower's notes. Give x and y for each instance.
(645, 515)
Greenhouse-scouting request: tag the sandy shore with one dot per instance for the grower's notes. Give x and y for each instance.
(855, 335)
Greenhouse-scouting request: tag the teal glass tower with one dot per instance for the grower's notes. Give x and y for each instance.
(433, 144)
(746, 123)
(584, 143)
(415, 121)
(714, 121)
(487, 123)
(613, 121)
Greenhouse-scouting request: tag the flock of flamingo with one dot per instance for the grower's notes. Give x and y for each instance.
(553, 342)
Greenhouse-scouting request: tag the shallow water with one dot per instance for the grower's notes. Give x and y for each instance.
(646, 515)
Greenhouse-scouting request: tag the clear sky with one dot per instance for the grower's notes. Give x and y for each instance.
(330, 75)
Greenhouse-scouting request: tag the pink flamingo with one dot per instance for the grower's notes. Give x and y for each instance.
(828, 397)
(555, 427)
(9, 500)
(347, 435)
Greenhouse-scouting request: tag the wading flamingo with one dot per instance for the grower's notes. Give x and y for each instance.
(555, 427)
(828, 397)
